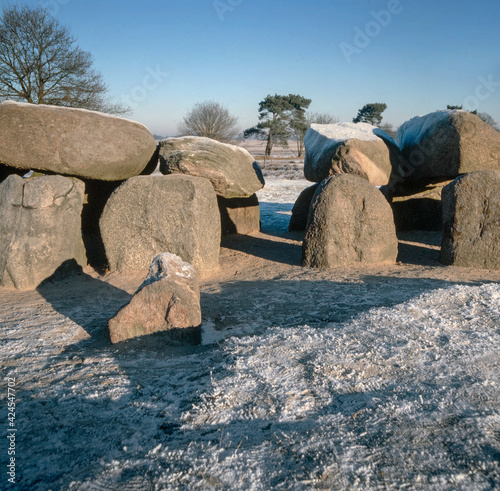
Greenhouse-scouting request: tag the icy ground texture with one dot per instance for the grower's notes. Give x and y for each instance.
(405, 397)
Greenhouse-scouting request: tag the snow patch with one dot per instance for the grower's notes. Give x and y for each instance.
(419, 128)
(336, 133)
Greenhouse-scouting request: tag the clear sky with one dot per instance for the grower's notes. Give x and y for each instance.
(162, 56)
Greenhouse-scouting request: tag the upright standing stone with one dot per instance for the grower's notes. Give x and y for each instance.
(350, 221)
(300, 210)
(471, 221)
(239, 215)
(148, 215)
(40, 229)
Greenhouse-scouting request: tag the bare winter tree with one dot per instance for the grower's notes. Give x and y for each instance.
(320, 118)
(40, 63)
(211, 120)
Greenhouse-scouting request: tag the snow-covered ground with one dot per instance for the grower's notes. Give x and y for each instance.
(404, 396)
(276, 201)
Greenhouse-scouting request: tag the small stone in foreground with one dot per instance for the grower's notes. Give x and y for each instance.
(167, 301)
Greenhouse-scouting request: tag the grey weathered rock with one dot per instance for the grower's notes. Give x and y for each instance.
(419, 208)
(300, 210)
(239, 215)
(40, 229)
(350, 221)
(148, 215)
(231, 169)
(443, 145)
(167, 301)
(471, 221)
(73, 142)
(350, 148)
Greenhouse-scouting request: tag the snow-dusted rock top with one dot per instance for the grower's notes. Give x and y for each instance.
(351, 148)
(340, 132)
(418, 128)
(446, 144)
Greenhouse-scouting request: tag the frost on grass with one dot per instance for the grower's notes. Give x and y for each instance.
(396, 398)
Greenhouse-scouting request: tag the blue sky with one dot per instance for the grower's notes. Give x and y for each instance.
(415, 55)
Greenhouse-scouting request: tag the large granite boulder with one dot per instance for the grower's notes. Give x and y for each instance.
(443, 145)
(73, 142)
(300, 210)
(471, 221)
(168, 301)
(148, 215)
(40, 229)
(350, 148)
(419, 208)
(231, 169)
(350, 221)
(239, 215)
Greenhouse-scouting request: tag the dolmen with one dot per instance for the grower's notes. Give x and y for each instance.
(344, 148)
(437, 148)
(97, 174)
(40, 226)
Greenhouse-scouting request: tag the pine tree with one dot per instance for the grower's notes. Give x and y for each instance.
(371, 113)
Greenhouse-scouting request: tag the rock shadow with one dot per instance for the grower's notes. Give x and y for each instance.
(87, 301)
(259, 246)
(418, 247)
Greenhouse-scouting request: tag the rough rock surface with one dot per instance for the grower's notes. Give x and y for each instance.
(148, 215)
(40, 229)
(471, 221)
(444, 145)
(300, 210)
(231, 169)
(239, 215)
(349, 221)
(350, 148)
(73, 142)
(168, 300)
(419, 208)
